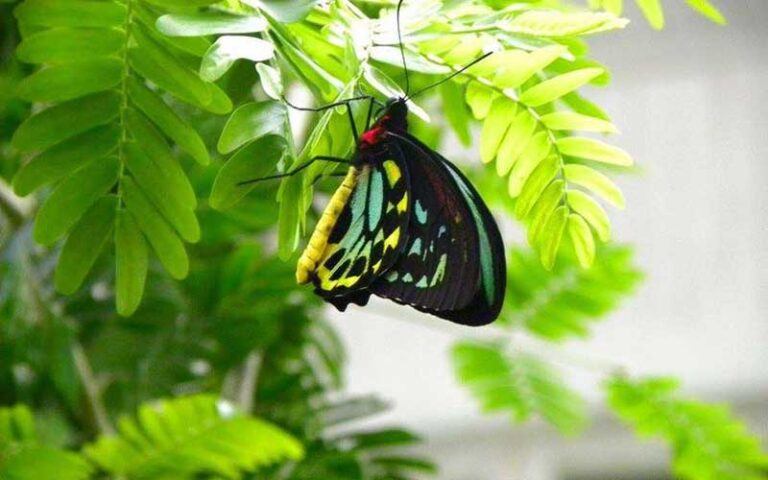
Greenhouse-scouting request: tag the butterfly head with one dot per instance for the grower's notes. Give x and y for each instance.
(395, 117)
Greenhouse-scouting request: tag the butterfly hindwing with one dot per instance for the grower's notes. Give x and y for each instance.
(453, 263)
(360, 234)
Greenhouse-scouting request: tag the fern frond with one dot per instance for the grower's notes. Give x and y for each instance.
(533, 148)
(23, 457)
(564, 302)
(518, 384)
(101, 143)
(192, 436)
(708, 443)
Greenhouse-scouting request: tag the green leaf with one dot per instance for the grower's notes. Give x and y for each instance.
(521, 131)
(707, 442)
(227, 49)
(577, 121)
(534, 187)
(84, 245)
(456, 113)
(208, 437)
(71, 80)
(582, 240)
(284, 11)
(66, 120)
(168, 121)
(592, 212)
(480, 99)
(550, 23)
(495, 127)
(182, 3)
(552, 235)
(165, 70)
(63, 45)
(706, 8)
(57, 13)
(131, 264)
(291, 211)
(271, 81)
(653, 12)
(594, 181)
(167, 166)
(168, 200)
(576, 298)
(73, 197)
(595, 150)
(209, 23)
(512, 68)
(255, 160)
(381, 82)
(519, 384)
(536, 150)
(252, 121)
(167, 246)
(64, 158)
(554, 88)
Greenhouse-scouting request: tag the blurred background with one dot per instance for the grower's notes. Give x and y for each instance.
(692, 103)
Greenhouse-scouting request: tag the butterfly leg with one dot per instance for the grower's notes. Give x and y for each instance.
(296, 170)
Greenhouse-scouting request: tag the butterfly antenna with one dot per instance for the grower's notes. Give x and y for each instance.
(457, 72)
(402, 49)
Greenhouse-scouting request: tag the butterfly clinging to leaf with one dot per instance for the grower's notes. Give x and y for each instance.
(405, 224)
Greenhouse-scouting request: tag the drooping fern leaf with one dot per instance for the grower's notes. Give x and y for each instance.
(192, 436)
(708, 443)
(23, 457)
(101, 143)
(514, 92)
(519, 384)
(563, 302)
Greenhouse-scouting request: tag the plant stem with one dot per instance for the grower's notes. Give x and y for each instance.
(92, 389)
(250, 377)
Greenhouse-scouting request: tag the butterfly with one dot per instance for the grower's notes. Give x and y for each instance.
(406, 225)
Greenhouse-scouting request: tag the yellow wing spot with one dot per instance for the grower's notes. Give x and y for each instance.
(403, 204)
(376, 266)
(393, 172)
(392, 240)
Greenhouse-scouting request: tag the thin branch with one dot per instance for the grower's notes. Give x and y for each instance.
(92, 389)
(250, 377)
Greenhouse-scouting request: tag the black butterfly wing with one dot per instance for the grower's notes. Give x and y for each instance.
(360, 234)
(453, 263)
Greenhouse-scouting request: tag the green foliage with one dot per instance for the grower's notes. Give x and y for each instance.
(707, 442)
(191, 436)
(518, 383)
(654, 12)
(102, 142)
(23, 457)
(562, 303)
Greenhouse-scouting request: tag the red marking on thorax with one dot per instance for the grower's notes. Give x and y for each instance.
(371, 137)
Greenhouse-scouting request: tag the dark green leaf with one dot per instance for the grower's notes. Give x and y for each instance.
(66, 120)
(62, 45)
(255, 160)
(62, 159)
(131, 264)
(167, 246)
(84, 245)
(84, 13)
(73, 197)
(168, 121)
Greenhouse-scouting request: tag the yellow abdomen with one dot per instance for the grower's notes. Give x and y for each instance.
(319, 240)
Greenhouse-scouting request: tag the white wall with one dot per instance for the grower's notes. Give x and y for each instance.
(692, 102)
